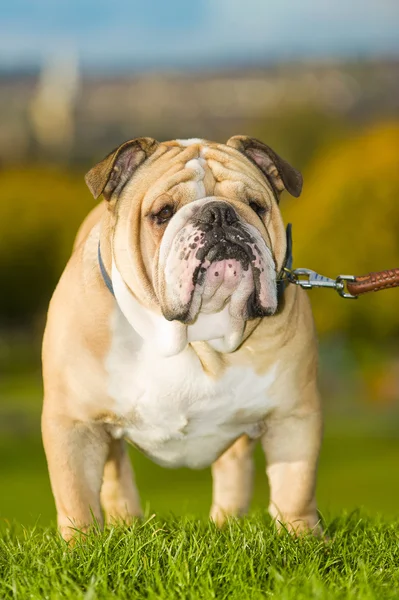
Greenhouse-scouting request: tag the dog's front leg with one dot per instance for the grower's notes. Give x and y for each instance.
(232, 481)
(119, 495)
(292, 445)
(76, 453)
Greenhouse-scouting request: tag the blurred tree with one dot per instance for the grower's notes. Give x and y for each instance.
(40, 211)
(347, 222)
(298, 134)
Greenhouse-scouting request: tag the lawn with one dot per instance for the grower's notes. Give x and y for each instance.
(189, 558)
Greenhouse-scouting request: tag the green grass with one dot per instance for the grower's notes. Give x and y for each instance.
(189, 559)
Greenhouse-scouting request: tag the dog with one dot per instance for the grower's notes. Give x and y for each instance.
(171, 328)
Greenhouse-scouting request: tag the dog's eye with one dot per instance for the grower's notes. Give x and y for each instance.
(260, 210)
(164, 215)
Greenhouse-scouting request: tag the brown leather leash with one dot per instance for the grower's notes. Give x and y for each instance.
(347, 286)
(373, 282)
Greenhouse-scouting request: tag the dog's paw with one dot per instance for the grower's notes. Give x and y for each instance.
(299, 525)
(219, 516)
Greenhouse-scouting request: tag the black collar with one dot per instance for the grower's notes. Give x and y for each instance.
(106, 277)
(281, 280)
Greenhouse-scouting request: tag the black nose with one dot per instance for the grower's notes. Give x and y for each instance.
(218, 213)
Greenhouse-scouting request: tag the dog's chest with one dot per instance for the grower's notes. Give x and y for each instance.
(172, 410)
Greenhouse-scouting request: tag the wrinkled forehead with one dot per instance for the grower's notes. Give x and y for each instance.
(192, 169)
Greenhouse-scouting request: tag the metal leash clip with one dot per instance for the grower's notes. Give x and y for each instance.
(306, 278)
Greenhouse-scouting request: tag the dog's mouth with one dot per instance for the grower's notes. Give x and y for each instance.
(217, 261)
(230, 263)
(232, 242)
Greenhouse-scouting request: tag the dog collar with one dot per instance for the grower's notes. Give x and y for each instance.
(106, 277)
(282, 281)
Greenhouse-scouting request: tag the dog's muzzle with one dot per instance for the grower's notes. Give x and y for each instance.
(223, 236)
(217, 259)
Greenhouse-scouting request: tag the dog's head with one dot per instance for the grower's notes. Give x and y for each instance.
(196, 229)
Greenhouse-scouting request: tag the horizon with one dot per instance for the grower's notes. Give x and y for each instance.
(127, 69)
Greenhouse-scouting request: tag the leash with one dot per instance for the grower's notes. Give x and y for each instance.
(347, 286)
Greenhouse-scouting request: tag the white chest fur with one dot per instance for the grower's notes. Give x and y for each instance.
(171, 409)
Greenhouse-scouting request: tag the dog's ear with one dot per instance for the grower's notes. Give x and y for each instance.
(279, 173)
(115, 170)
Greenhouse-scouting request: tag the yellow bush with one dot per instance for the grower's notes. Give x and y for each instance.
(347, 221)
(37, 201)
(40, 210)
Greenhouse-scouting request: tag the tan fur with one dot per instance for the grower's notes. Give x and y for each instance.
(88, 468)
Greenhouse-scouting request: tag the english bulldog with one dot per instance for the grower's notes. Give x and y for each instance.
(170, 328)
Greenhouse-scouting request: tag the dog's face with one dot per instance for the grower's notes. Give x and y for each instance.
(196, 228)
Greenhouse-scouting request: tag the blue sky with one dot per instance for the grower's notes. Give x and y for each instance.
(174, 33)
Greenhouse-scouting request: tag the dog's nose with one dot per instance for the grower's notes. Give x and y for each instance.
(218, 213)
